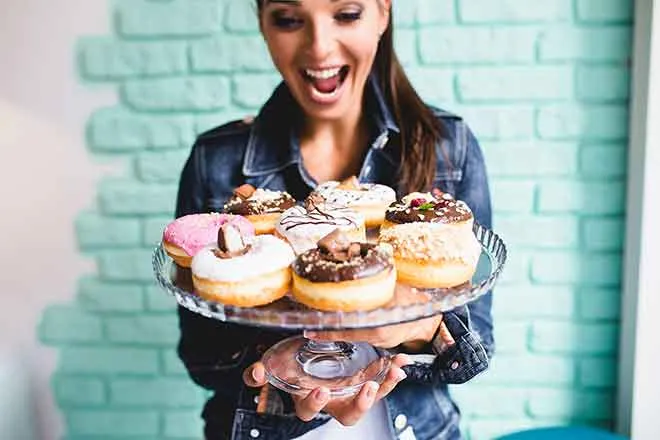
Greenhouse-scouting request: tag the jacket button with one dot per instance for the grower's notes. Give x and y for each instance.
(254, 433)
(400, 421)
(454, 365)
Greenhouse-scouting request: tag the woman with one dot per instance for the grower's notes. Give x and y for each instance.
(345, 108)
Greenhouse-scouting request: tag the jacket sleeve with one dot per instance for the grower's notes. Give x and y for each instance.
(470, 326)
(214, 352)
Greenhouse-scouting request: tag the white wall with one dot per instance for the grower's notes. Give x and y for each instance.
(47, 177)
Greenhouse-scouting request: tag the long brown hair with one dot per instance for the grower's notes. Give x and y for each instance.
(420, 130)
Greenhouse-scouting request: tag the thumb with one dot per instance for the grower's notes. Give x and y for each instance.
(255, 375)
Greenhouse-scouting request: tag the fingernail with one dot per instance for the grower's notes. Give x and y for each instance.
(255, 376)
(321, 394)
(372, 388)
(400, 375)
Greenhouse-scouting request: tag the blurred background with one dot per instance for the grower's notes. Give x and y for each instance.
(100, 101)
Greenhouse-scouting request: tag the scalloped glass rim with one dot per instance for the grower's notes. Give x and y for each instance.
(287, 314)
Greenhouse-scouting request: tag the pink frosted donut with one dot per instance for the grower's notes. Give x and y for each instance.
(187, 235)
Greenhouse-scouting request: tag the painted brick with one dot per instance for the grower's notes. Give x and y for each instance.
(158, 300)
(126, 265)
(582, 197)
(539, 231)
(77, 391)
(604, 11)
(603, 161)
(241, 17)
(431, 12)
(116, 129)
(567, 337)
(172, 365)
(524, 301)
(126, 197)
(252, 90)
(204, 122)
(602, 83)
(518, 267)
(98, 296)
(69, 324)
(112, 423)
(513, 11)
(405, 43)
(531, 159)
(512, 195)
(107, 59)
(152, 229)
(143, 330)
(454, 45)
(405, 13)
(591, 269)
(161, 166)
(220, 54)
(510, 337)
(515, 83)
(598, 372)
(508, 122)
(183, 424)
(155, 393)
(107, 360)
(584, 405)
(603, 234)
(484, 429)
(599, 304)
(178, 94)
(585, 44)
(435, 86)
(96, 231)
(530, 369)
(490, 401)
(144, 18)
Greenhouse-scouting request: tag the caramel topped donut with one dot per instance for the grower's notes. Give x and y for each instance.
(262, 207)
(425, 207)
(359, 260)
(341, 274)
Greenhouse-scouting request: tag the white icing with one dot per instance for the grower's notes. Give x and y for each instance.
(303, 229)
(263, 195)
(267, 254)
(368, 194)
(428, 197)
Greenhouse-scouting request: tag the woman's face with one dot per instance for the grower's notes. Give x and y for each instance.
(324, 50)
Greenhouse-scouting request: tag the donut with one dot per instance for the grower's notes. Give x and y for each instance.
(262, 207)
(185, 236)
(340, 275)
(432, 240)
(243, 272)
(369, 199)
(303, 226)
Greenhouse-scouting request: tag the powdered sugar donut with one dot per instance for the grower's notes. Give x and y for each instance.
(185, 236)
(369, 199)
(243, 272)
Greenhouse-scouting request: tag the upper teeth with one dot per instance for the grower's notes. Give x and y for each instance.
(323, 74)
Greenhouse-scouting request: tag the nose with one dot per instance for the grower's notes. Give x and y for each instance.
(321, 39)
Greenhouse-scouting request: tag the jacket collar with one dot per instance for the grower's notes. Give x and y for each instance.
(273, 143)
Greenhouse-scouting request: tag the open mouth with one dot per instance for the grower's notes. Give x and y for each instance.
(326, 81)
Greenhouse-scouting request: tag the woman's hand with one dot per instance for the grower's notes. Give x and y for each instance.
(411, 335)
(347, 410)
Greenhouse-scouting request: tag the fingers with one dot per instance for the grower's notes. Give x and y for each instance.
(308, 407)
(255, 375)
(353, 410)
(446, 337)
(394, 375)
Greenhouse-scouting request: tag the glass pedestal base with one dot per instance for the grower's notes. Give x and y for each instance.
(298, 365)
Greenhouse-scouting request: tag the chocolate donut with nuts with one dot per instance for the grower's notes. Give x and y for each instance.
(262, 207)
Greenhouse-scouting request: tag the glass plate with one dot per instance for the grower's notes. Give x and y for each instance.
(408, 304)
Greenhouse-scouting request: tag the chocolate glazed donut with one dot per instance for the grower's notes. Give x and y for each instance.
(260, 206)
(344, 275)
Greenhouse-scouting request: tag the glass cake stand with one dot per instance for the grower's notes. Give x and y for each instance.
(298, 364)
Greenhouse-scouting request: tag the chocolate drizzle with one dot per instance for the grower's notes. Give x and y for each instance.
(315, 212)
(438, 208)
(336, 259)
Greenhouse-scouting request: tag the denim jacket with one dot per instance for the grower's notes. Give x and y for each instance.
(266, 153)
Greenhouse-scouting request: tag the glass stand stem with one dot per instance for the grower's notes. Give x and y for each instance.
(326, 359)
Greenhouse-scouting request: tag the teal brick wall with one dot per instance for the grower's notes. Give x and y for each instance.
(543, 84)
